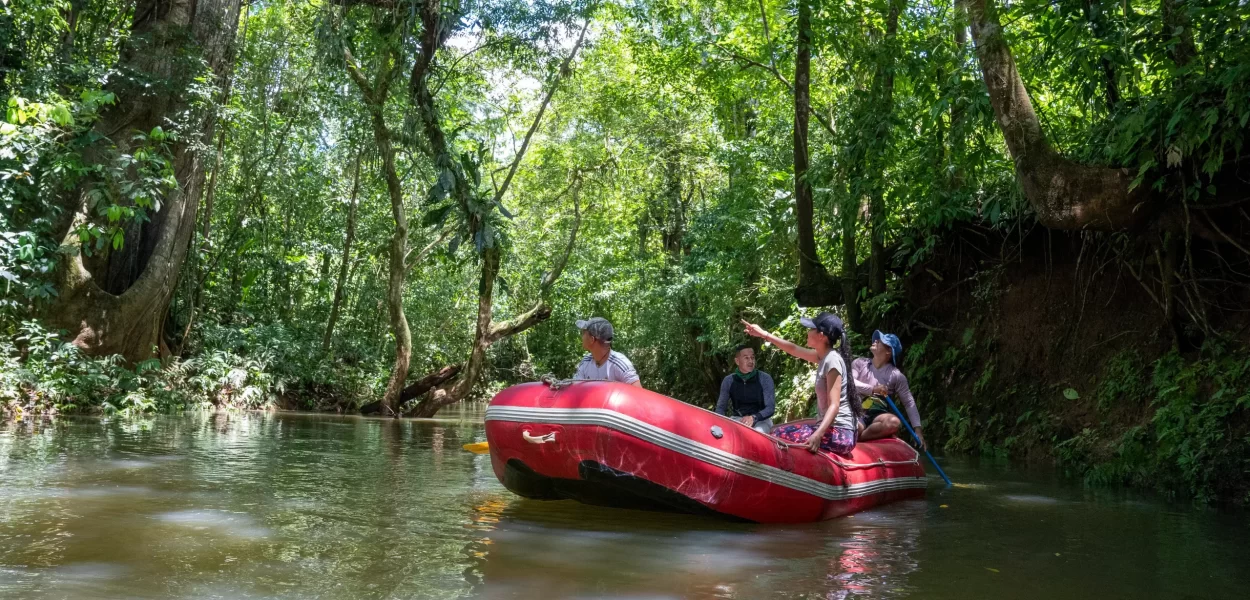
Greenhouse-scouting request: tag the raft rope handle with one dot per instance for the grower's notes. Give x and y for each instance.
(538, 439)
(556, 385)
(784, 445)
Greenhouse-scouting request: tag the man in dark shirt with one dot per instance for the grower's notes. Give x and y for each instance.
(748, 393)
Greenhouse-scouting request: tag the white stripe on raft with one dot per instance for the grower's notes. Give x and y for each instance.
(713, 456)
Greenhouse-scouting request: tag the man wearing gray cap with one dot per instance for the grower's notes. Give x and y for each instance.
(601, 361)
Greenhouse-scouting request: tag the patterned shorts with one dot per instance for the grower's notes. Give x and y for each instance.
(836, 440)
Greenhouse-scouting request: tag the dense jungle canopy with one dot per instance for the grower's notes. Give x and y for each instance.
(401, 204)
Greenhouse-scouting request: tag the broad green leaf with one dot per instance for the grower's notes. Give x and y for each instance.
(61, 116)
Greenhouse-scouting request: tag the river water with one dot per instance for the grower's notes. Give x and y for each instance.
(314, 506)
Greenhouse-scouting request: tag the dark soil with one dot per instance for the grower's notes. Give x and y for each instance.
(1014, 320)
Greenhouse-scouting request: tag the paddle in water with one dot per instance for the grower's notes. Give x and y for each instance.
(917, 438)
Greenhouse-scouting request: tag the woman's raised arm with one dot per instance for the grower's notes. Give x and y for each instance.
(790, 348)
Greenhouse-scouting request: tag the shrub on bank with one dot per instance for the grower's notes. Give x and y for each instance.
(40, 374)
(246, 369)
(1179, 424)
(1197, 439)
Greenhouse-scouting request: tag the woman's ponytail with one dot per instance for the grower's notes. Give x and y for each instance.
(835, 332)
(852, 393)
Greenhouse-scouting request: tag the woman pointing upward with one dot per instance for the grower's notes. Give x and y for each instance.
(836, 401)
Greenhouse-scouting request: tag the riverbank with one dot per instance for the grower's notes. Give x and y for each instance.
(1029, 364)
(1044, 346)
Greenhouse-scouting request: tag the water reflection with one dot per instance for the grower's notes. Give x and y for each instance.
(239, 525)
(877, 559)
(569, 550)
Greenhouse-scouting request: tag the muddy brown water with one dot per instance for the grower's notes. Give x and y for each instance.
(311, 506)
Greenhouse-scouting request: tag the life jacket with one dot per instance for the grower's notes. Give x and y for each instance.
(747, 396)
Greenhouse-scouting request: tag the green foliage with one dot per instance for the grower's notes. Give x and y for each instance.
(43, 375)
(1122, 381)
(244, 369)
(1179, 425)
(268, 365)
(1202, 420)
(796, 396)
(1179, 111)
(57, 58)
(36, 140)
(959, 428)
(43, 159)
(982, 385)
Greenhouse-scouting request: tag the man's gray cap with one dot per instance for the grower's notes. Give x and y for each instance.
(598, 328)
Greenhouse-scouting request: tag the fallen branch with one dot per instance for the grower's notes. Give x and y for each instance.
(417, 388)
(429, 382)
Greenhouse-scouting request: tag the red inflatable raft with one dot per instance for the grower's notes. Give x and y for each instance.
(617, 445)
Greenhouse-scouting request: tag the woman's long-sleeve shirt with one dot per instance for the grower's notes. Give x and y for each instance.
(868, 376)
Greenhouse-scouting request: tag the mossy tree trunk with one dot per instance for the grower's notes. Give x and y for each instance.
(1064, 194)
(116, 301)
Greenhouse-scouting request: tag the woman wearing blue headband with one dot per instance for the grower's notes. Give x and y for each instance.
(881, 376)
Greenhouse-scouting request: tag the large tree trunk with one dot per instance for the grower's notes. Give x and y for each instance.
(883, 114)
(958, 136)
(395, 283)
(1064, 194)
(417, 389)
(117, 303)
(866, 165)
(345, 263)
(815, 286)
(850, 266)
(482, 338)
(487, 332)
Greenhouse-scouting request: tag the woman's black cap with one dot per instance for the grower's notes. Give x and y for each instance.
(825, 322)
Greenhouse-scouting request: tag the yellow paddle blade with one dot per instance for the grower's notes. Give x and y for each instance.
(477, 448)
